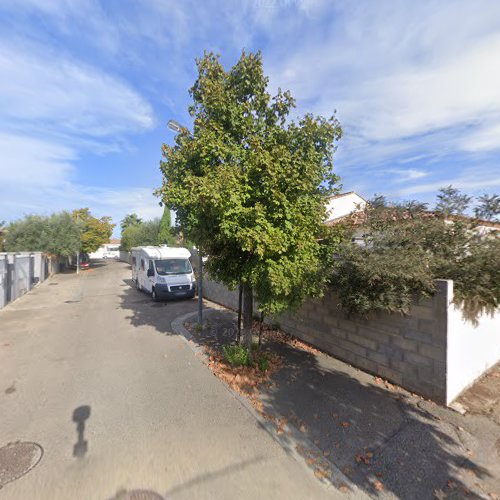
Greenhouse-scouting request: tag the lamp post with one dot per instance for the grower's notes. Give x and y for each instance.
(176, 127)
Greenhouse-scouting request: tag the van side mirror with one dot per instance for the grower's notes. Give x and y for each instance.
(151, 273)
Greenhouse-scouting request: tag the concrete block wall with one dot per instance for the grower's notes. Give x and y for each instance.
(432, 351)
(407, 350)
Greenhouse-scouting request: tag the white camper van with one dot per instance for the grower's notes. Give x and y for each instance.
(164, 272)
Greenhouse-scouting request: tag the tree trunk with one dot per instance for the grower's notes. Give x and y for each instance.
(247, 317)
(261, 327)
(240, 298)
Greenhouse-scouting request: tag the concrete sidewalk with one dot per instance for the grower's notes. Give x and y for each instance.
(388, 442)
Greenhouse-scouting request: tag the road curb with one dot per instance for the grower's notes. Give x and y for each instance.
(294, 439)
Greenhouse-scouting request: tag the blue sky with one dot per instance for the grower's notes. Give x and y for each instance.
(87, 87)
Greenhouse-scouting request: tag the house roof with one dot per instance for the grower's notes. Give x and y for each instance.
(358, 217)
(115, 241)
(341, 195)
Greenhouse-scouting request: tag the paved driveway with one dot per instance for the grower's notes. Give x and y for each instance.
(90, 371)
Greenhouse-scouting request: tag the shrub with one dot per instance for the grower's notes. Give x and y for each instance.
(402, 251)
(263, 363)
(236, 355)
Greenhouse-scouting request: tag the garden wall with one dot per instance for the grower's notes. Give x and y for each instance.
(423, 352)
(21, 271)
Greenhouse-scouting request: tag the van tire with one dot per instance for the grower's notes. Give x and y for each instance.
(153, 295)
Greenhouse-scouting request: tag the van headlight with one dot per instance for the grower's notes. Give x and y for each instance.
(161, 280)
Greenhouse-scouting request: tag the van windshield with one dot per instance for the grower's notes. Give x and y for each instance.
(173, 266)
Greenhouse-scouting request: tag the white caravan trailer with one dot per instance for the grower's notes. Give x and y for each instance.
(164, 272)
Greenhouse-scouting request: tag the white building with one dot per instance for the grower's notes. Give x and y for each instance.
(344, 204)
(109, 250)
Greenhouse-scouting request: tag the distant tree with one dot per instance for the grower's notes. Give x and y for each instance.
(94, 232)
(63, 235)
(58, 234)
(142, 234)
(29, 234)
(130, 220)
(165, 234)
(488, 207)
(250, 186)
(2, 234)
(451, 201)
(378, 200)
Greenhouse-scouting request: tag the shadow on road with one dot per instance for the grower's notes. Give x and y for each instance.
(382, 440)
(80, 414)
(146, 312)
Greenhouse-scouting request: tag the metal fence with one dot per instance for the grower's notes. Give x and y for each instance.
(20, 272)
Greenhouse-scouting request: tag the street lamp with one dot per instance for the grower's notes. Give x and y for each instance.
(175, 126)
(178, 128)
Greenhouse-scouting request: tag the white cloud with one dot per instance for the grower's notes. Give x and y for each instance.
(28, 160)
(403, 175)
(485, 138)
(397, 71)
(37, 177)
(471, 180)
(44, 87)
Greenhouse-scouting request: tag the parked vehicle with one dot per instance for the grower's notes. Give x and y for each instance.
(84, 261)
(164, 272)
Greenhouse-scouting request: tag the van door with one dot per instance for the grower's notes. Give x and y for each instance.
(151, 280)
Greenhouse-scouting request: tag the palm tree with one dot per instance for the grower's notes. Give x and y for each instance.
(130, 220)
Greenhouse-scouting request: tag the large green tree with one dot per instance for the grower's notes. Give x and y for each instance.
(94, 232)
(250, 185)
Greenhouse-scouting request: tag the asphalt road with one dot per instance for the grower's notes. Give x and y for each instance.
(91, 371)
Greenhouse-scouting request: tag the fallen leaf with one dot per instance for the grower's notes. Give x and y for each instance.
(378, 485)
(439, 495)
(303, 428)
(451, 484)
(369, 454)
(379, 474)
(343, 488)
(320, 473)
(326, 453)
(378, 380)
(345, 425)
(361, 458)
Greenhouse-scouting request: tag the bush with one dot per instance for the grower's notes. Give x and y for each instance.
(236, 355)
(263, 363)
(404, 250)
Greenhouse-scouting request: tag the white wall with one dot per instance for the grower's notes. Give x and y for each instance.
(344, 205)
(472, 349)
